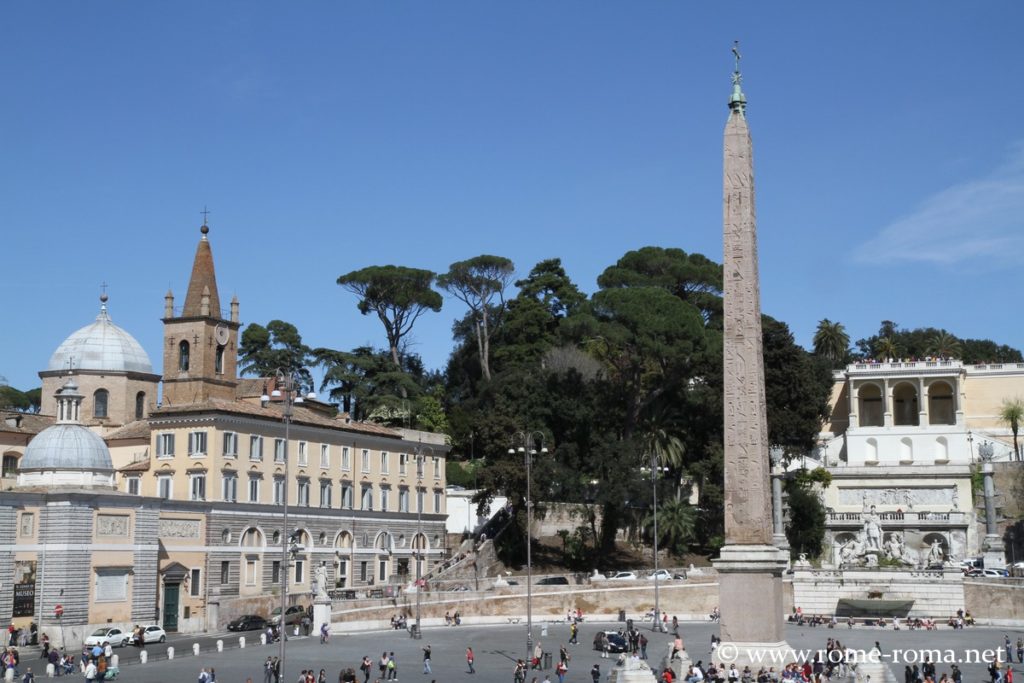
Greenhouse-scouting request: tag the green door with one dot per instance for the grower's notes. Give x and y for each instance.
(170, 611)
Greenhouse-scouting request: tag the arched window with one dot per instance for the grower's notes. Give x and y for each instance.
(941, 410)
(140, 405)
(99, 405)
(218, 360)
(869, 398)
(183, 356)
(905, 410)
(343, 541)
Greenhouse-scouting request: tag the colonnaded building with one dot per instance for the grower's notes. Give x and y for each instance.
(124, 510)
(905, 438)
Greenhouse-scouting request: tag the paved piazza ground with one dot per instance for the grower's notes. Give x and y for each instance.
(496, 648)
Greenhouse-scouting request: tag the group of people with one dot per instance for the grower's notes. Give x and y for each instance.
(22, 637)
(452, 619)
(399, 622)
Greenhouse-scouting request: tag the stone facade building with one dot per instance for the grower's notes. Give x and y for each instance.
(174, 516)
(904, 437)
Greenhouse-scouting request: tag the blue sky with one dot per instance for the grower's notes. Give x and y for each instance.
(330, 136)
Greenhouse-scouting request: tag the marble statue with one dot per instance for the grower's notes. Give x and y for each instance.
(896, 549)
(320, 576)
(872, 530)
(935, 554)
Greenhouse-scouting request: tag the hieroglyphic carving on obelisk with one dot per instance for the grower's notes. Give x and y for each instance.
(748, 518)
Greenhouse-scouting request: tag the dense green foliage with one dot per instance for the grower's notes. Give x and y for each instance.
(923, 342)
(264, 351)
(806, 528)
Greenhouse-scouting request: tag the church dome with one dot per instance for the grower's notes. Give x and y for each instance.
(66, 447)
(101, 345)
(66, 454)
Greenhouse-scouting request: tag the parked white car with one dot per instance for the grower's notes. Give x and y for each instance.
(114, 636)
(623, 576)
(152, 634)
(661, 574)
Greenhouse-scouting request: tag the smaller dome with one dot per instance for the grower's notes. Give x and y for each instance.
(66, 447)
(101, 345)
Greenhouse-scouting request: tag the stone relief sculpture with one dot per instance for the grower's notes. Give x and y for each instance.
(935, 554)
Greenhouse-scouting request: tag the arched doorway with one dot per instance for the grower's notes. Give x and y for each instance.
(869, 405)
(941, 408)
(905, 405)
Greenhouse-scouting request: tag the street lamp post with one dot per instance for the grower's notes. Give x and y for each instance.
(290, 396)
(420, 540)
(656, 624)
(527, 447)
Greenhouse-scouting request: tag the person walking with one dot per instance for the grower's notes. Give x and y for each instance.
(325, 633)
(573, 633)
(392, 667)
(426, 659)
(595, 673)
(643, 646)
(365, 668)
(470, 659)
(268, 670)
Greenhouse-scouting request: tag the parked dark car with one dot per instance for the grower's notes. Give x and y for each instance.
(616, 643)
(553, 581)
(248, 622)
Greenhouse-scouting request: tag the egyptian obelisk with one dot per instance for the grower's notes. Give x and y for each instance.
(750, 566)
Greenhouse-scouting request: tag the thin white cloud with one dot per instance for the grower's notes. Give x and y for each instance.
(979, 218)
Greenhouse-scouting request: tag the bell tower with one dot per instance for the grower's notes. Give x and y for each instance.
(200, 346)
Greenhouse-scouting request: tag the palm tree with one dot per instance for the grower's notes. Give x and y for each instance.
(944, 345)
(667, 448)
(1012, 413)
(886, 348)
(677, 522)
(831, 341)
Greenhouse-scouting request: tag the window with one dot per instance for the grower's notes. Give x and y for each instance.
(131, 485)
(345, 464)
(346, 495)
(325, 493)
(325, 456)
(196, 444)
(362, 571)
(366, 460)
(384, 498)
(278, 490)
(278, 450)
(437, 500)
(140, 405)
(255, 447)
(111, 584)
(254, 489)
(99, 403)
(300, 571)
(218, 360)
(437, 467)
(165, 487)
(382, 570)
(230, 445)
(197, 486)
(194, 583)
(250, 572)
(383, 462)
(229, 488)
(403, 500)
(403, 458)
(304, 492)
(275, 572)
(303, 454)
(225, 572)
(252, 538)
(183, 356)
(165, 445)
(367, 499)
(10, 466)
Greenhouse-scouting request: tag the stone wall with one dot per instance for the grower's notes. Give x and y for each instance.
(935, 593)
(559, 516)
(995, 601)
(687, 600)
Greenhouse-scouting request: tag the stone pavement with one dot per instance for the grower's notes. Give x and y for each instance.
(497, 648)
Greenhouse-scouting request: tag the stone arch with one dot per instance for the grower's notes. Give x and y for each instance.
(303, 538)
(384, 541)
(140, 405)
(420, 542)
(343, 541)
(905, 405)
(869, 405)
(941, 403)
(252, 537)
(183, 356)
(931, 537)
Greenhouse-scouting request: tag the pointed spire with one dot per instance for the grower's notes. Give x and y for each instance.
(103, 315)
(203, 277)
(737, 101)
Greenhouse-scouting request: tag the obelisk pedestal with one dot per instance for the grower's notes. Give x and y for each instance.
(750, 565)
